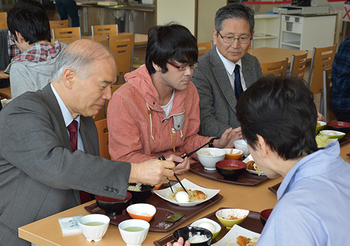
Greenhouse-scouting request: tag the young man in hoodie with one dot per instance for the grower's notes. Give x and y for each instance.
(156, 112)
(30, 28)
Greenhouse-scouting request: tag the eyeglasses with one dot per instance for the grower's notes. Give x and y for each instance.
(183, 68)
(231, 39)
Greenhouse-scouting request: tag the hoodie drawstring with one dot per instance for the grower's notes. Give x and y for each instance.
(151, 124)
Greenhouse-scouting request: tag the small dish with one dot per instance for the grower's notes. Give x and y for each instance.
(208, 157)
(339, 126)
(188, 185)
(234, 155)
(320, 125)
(204, 223)
(333, 134)
(231, 216)
(231, 237)
(113, 206)
(264, 215)
(142, 211)
(192, 231)
(230, 169)
(248, 159)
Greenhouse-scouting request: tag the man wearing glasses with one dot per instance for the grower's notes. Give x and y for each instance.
(227, 70)
(156, 112)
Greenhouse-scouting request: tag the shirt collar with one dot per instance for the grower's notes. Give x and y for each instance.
(229, 65)
(67, 116)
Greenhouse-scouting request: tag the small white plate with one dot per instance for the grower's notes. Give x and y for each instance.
(250, 158)
(231, 237)
(188, 185)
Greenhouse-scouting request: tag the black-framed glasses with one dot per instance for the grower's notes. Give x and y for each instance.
(230, 39)
(183, 68)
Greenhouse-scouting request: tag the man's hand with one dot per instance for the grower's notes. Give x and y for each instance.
(320, 116)
(184, 164)
(4, 75)
(180, 242)
(152, 172)
(228, 137)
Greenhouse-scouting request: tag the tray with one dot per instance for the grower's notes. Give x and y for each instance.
(164, 209)
(274, 188)
(252, 222)
(345, 139)
(246, 178)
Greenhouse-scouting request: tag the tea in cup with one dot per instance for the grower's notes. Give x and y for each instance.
(134, 231)
(94, 226)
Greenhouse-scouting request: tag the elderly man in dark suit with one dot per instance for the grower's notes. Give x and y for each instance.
(227, 70)
(44, 161)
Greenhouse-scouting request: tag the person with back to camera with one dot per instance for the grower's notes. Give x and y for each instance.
(278, 119)
(30, 29)
(227, 70)
(156, 112)
(49, 144)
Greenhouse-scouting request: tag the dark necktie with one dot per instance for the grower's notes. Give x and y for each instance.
(73, 138)
(238, 85)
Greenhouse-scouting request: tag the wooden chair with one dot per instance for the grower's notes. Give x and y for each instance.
(3, 16)
(3, 24)
(203, 48)
(122, 45)
(328, 114)
(58, 24)
(322, 59)
(102, 131)
(102, 114)
(277, 68)
(66, 32)
(104, 30)
(298, 64)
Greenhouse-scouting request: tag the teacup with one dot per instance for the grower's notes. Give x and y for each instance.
(242, 145)
(134, 231)
(94, 226)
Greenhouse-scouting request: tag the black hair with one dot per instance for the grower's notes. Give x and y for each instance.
(282, 111)
(29, 18)
(171, 42)
(235, 10)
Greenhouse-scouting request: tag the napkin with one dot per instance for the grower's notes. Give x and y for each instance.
(70, 226)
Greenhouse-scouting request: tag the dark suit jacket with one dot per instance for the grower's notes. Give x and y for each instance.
(39, 175)
(217, 98)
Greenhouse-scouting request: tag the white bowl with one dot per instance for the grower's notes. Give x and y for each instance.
(208, 157)
(94, 226)
(242, 145)
(202, 221)
(133, 231)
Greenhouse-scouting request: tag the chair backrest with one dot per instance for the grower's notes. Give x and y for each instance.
(203, 48)
(328, 114)
(3, 24)
(103, 112)
(104, 30)
(102, 131)
(322, 59)
(122, 45)
(277, 68)
(3, 16)
(57, 24)
(66, 32)
(297, 65)
(4, 96)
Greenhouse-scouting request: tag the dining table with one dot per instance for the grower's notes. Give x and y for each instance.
(47, 231)
(270, 54)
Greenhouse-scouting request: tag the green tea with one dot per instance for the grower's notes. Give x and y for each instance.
(134, 228)
(94, 223)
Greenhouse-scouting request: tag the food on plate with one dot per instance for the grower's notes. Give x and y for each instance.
(204, 152)
(318, 124)
(182, 197)
(331, 133)
(193, 195)
(245, 241)
(252, 166)
(136, 187)
(207, 225)
(197, 238)
(175, 217)
(322, 140)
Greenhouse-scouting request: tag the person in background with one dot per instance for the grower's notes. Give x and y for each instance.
(68, 7)
(30, 28)
(156, 112)
(340, 91)
(227, 70)
(49, 144)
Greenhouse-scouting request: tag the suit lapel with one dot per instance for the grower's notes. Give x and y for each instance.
(84, 136)
(221, 77)
(248, 71)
